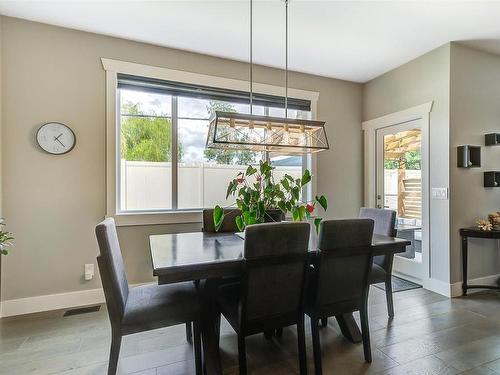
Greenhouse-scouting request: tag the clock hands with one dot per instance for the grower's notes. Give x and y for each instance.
(57, 139)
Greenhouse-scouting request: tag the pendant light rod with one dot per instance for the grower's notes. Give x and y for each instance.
(251, 57)
(286, 58)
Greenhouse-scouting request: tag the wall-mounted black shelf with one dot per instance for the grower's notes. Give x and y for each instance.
(492, 179)
(492, 139)
(468, 156)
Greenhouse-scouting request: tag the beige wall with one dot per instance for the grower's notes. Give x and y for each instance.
(419, 81)
(475, 111)
(52, 203)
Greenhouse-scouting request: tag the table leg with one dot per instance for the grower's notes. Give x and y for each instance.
(211, 354)
(464, 265)
(349, 327)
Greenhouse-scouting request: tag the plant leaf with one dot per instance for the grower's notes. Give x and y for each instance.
(306, 177)
(285, 184)
(250, 170)
(322, 202)
(218, 217)
(317, 221)
(239, 223)
(302, 212)
(295, 214)
(231, 188)
(282, 206)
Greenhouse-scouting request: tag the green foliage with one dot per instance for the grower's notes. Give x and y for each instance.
(411, 161)
(145, 138)
(5, 239)
(226, 156)
(257, 198)
(218, 217)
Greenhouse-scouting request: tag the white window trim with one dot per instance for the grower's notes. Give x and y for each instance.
(113, 68)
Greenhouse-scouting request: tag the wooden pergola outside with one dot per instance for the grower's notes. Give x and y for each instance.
(409, 189)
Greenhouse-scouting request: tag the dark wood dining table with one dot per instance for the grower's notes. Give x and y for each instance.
(211, 256)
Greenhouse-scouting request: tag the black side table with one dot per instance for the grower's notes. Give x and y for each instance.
(465, 233)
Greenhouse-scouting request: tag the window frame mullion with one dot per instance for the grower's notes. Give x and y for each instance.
(175, 154)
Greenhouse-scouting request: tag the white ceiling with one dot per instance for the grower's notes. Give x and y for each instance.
(352, 40)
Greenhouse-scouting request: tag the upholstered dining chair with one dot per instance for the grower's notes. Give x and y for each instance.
(341, 281)
(142, 308)
(270, 294)
(385, 224)
(228, 225)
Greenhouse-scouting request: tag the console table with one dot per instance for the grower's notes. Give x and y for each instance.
(465, 233)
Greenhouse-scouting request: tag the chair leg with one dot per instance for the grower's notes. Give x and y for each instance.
(268, 334)
(324, 322)
(279, 332)
(218, 317)
(189, 333)
(242, 355)
(197, 348)
(316, 346)
(388, 296)
(114, 354)
(301, 337)
(365, 331)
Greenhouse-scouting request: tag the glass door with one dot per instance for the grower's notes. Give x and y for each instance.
(399, 188)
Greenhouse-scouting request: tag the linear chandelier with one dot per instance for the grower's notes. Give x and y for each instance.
(238, 131)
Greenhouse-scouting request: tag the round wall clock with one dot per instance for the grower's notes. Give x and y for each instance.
(55, 138)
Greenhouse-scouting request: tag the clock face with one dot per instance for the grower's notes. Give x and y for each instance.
(55, 138)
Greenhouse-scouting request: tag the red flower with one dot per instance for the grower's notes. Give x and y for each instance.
(310, 208)
(240, 180)
(258, 178)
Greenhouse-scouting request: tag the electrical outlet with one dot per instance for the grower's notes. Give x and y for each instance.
(89, 271)
(439, 193)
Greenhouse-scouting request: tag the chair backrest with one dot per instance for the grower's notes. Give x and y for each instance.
(275, 264)
(345, 264)
(111, 268)
(385, 220)
(228, 225)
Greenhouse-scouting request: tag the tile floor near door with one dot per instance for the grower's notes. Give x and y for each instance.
(429, 335)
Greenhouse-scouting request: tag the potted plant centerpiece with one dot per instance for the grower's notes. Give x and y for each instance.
(261, 198)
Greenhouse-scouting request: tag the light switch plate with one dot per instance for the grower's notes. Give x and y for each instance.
(439, 193)
(89, 271)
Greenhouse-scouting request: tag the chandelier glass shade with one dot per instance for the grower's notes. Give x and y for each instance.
(238, 131)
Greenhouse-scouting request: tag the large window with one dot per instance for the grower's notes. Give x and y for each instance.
(163, 162)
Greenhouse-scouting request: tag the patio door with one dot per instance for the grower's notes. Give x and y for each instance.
(399, 188)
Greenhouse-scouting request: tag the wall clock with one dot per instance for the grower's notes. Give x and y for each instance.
(55, 138)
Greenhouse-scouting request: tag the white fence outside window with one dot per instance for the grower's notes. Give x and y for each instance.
(147, 185)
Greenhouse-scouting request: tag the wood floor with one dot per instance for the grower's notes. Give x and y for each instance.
(430, 335)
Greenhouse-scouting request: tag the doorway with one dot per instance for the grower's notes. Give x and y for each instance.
(396, 171)
(399, 188)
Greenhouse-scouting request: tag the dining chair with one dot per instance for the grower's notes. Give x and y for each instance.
(341, 281)
(228, 225)
(385, 224)
(270, 294)
(141, 308)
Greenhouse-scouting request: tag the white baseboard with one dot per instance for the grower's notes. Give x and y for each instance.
(52, 302)
(438, 286)
(486, 280)
(455, 289)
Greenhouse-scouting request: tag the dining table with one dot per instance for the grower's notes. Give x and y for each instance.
(182, 257)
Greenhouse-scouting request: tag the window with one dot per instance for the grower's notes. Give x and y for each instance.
(147, 182)
(157, 162)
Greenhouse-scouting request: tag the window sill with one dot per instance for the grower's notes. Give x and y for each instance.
(157, 218)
